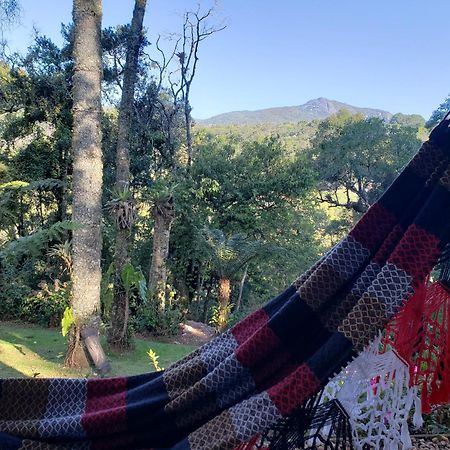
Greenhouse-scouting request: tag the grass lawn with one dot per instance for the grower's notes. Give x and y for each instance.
(32, 351)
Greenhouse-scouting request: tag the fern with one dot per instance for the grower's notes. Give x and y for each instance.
(46, 184)
(36, 242)
(229, 254)
(10, 190)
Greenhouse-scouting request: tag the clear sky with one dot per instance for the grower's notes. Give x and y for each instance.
(388, 54)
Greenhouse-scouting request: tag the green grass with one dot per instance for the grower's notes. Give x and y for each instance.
(31, 351)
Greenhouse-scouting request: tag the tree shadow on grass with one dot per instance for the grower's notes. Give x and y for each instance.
(32, 352)
(9, 372)
(48, 346)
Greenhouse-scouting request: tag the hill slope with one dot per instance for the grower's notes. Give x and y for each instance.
(316, 109)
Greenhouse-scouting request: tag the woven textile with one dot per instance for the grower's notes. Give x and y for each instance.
(271, 363)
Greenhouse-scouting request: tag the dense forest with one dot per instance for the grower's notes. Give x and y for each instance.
(200, 223)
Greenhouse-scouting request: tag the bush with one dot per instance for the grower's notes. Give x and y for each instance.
(46, 306)
(149, 318)
(15, 282)
(11, 300)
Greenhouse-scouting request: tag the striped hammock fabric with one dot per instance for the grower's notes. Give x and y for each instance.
(322, 334)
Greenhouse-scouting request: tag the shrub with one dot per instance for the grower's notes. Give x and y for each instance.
(46, 306)
(149, 318)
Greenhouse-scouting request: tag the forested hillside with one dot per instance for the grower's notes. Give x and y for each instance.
(317, 109)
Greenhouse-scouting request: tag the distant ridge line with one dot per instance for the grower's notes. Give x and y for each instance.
(316, 109)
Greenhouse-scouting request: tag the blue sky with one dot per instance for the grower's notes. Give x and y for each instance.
(388, 54)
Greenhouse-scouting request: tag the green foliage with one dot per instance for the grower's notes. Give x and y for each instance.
(15, 286)
(47, 306)
(438, 421)
(257, 191)
(67, 321)
(121, 195)
(145, 315)
(250, 198)
(151, 319)
(408, 120)
(107, 291)
(9, 9)
(218, 315)
(356, 158)
(439, 113)
(161, 190)
(246, 183)
(230, 254)
(154, 359)
(62, 252)
(36, 242)
(114, 42)
(38, 161)
(14, 193)
(132, 278)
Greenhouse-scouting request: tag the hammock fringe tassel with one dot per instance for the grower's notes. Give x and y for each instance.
(370, 403)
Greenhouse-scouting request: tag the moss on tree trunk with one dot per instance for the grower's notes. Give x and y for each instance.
(164, 215)
(119, 337)
(87, 178)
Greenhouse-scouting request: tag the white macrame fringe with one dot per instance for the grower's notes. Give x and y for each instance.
(374, 391)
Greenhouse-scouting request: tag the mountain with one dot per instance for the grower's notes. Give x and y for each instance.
(317, 109)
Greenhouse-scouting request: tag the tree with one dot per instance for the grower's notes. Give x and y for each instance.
(35, 127)
(124, 207)
(439, 113)
(174, 99)
(357, 158)
(9, 11)
(228, 255)
(195, 30)
(408, 120)
(87, 185)
(164, 215)
(260, 188)
(36, 104)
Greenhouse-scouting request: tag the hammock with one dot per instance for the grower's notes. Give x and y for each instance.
(309, 367)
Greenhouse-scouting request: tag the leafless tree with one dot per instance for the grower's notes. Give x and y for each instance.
(166, 101)
(196, 28)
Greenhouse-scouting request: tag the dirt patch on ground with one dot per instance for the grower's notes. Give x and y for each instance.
(190, 333)
(194, 333)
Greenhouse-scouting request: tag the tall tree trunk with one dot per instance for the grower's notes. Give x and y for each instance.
(164, 215)
(206, 302)
(241, 289)
(118, 336)
(87, 186)
(224, 302)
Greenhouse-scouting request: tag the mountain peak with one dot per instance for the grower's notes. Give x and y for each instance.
(315, 109)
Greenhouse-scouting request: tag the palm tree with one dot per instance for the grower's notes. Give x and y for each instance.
(227, 256)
